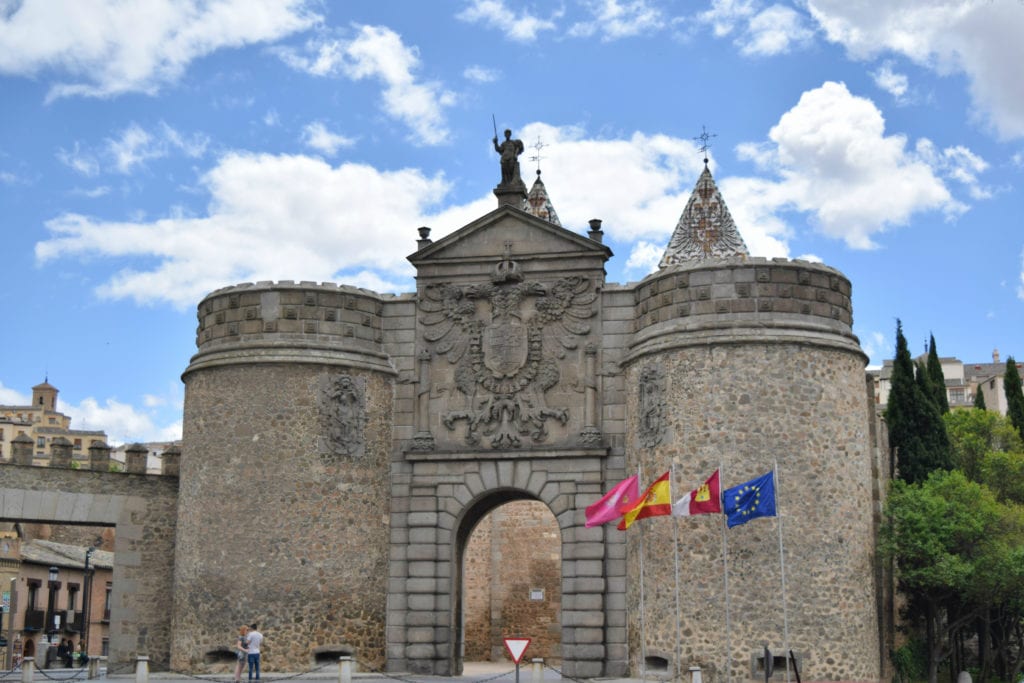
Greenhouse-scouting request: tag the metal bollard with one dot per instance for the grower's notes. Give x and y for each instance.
(28, 669)
(536, 670)
(344, 669)
(142, 669)
(695, 675)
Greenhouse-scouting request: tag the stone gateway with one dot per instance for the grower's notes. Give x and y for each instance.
(341, 445)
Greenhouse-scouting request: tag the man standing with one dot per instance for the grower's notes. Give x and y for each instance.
(255, 640)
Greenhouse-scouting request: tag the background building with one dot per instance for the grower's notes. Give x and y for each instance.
(963, 381)
(42, 422)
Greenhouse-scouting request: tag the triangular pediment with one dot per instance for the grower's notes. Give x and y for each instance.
(508, 231)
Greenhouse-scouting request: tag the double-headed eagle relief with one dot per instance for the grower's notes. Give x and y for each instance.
(506, 339)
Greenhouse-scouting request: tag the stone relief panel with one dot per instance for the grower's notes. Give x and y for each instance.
(507, 342)
(343, 411)
(651, 406)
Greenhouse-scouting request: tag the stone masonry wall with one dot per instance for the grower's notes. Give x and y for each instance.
(278, 525)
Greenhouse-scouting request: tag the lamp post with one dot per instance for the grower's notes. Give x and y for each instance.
(51, 615)
(86, 614)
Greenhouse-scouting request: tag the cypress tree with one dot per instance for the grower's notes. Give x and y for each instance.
(1014, 395)
(937, 377)
(915, 425)
(979, 400)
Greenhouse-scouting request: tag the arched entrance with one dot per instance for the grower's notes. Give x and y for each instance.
(509, 580)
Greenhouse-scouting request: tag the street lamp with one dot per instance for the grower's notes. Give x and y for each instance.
(87, 575)
(51, 615)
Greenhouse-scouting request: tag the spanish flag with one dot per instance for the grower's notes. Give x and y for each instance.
(657, 500)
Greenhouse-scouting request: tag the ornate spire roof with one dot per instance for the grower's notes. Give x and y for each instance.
(539, 204)
(706, 229)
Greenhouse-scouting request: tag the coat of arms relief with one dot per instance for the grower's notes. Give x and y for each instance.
(506, 340)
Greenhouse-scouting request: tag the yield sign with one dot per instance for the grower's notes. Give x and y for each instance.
(516, 647)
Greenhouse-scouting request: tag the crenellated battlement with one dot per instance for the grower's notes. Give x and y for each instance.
(23, 454)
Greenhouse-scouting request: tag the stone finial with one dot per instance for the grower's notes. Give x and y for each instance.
(99, 456)
(21, 450)
(424, 239)
(171, 462)
(135, 458)
(60, 452)
(596, 233)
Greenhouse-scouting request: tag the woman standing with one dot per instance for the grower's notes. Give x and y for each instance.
(241, 650)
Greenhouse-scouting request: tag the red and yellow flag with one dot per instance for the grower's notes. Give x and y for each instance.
(657, 500)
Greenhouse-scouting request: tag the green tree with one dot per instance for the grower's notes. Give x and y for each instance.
(979, 400)
(974, 434)
(952, 543)
(937, 377)
(916, 431)
(1014, 395)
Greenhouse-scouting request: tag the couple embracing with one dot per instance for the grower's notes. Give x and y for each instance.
(247, 647)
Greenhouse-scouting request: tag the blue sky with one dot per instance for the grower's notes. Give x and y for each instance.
(155, 150)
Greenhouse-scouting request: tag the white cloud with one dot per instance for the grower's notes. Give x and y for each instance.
(102, 48)
(615, 19)
(271, 118)
(957, 163)
(135, 146)
(122, 422)
(378, 52)
(94, 193)
(895, 84)
(876, 345)
(644, 258)
(296, 216)
(835, 162)
(11, 397)
(79, 161)
(979, 39)
(317, 136)
(480, 74)
(523, 28)
(776, 29)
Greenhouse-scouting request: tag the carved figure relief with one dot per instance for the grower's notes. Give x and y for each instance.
(505, 339)
(344, 409)
(651, 407)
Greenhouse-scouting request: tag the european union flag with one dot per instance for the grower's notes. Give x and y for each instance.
(756, 498)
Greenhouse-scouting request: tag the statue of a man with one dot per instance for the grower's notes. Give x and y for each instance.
(509, 150)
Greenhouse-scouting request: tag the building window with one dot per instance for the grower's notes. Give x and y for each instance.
(33, 594)
(106, 602)
(72, 597)
(41, 442)
(105, 651)
(78, 443)
(956, 395)
(53, 420)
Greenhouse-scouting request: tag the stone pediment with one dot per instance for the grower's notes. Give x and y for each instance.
(491, 237)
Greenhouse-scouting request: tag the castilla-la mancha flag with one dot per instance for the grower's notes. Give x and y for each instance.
(657, 500)
(703, 500)
(609, 508)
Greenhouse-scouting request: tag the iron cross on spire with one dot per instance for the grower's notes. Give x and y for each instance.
(705, 145)
(536, 157)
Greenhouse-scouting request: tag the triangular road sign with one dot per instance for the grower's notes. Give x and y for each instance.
(516, 647)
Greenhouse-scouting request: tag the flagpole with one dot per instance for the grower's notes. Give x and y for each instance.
(675, 547)
(725, 575)
(643, 629)
(782, 568)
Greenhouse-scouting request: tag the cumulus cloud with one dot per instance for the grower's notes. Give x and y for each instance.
(377, 52)
(978, 39)
(615, 19)
(834, 161)
(11, 397)
(122, 422)
(317, 136)
(79, 161)
(104, 48)
(480, 74)
(644, 258)
(895, 84)
(131, 148)
(523, 27)
(759, 31)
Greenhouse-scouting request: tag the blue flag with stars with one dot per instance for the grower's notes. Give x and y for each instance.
(755, 498)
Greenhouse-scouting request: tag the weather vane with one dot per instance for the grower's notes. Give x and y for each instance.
(536, 157)
(704, 138)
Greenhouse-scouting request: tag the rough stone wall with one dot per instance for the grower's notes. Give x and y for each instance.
(276, 527)
(755, 364)
(143, 511)
(514, 550)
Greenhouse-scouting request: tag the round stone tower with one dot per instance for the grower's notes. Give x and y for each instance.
(284, 505)
(747, 365)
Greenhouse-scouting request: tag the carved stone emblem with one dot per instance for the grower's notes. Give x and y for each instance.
(651, 407)
(505, 339)
(344, 414)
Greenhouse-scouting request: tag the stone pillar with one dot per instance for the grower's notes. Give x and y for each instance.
(99, 456)
(28, 669)
(60, 453)
(537, 671)
(142, 668)
(171, 462)
(21, 450)
(135, 459)
(344, 670)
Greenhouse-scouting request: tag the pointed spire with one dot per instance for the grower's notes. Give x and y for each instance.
(539, 204)
(706, 229)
